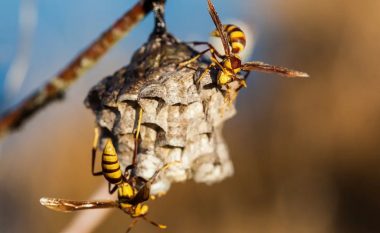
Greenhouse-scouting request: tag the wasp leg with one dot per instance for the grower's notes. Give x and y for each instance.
(207, 70)
(129, 167)
(195, 43)
(214, 60)
(229, 98)
(233, 95)
(132, 224)
(213, 63)
(138, 127)
(246, 74)
(93, 152)
(196, 57)
(242, 82)
(111, 190)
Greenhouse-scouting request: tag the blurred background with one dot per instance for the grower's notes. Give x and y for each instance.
(306, 152)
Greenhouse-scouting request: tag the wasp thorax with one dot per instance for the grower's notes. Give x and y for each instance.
(125, 192)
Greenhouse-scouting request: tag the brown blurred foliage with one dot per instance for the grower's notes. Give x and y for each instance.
(306, 152)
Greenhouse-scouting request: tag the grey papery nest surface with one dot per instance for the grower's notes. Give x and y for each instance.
(182, 119)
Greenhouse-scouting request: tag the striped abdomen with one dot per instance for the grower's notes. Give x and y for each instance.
(110, 164)
(235, 36)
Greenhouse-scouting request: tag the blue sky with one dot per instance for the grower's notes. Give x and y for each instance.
(66, 27)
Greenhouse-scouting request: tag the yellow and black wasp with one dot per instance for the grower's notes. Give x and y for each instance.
(234, 41)
(110, 163)
(132, 190)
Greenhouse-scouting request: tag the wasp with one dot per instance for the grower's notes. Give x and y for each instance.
(110, 163)
(230, 64)
(132, 190)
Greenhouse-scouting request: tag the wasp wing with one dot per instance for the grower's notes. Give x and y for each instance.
(219, 27)
(263, 67)
(63, 205)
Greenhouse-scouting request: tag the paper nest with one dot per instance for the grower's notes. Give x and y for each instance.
(182, 119)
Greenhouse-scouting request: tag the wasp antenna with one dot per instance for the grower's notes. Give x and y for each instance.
(96, 140)
(163, 168)
(161, 226)
(137, 135)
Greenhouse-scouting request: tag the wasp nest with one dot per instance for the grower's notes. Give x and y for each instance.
(182, 119)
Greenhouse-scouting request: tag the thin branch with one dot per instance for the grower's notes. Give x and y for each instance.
(55, 89)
